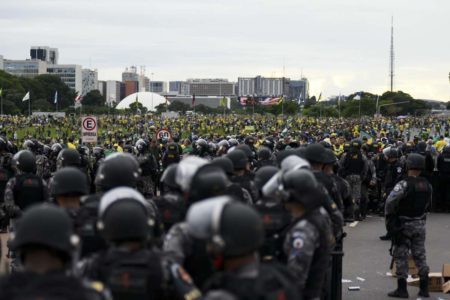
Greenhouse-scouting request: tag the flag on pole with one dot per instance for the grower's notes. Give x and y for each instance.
(137, 99)
(223, 102)
(1, 92)
(320, 97)
(56, 97)
(280, 101)
(26, 97)
(78, 99)
(193, 100)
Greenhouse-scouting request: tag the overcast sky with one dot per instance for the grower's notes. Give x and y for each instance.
(340, 46)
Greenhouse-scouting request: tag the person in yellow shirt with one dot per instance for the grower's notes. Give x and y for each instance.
(70, 144)
(440, 144)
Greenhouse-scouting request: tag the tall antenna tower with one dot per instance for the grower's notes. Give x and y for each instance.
(392, 57)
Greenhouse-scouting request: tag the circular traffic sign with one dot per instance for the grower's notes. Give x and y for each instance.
(89, 124)
(163, 134)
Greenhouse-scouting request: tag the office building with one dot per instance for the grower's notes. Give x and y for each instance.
(131, 87)
(89, 80)
(102, 87)
(113, 92)
(210, 87)
(25, 68)
(130, 74)
(158, 87)
(45, 53)
(263, 86)
(299, 89)
(175, 87)
(69, 74)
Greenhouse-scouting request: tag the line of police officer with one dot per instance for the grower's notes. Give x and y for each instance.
(217, 226)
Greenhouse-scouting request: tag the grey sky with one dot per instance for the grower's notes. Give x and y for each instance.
(341, 46)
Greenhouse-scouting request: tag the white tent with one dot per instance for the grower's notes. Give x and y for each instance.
(147, 99)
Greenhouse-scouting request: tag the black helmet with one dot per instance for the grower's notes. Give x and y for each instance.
(249, 140)
(48, 226)
(315, 153)
(56, 148)
(247, 150)
(223, 144)
(301, 186)
(98, 152)
(231, 228)
(124, 215)
(118, 169)
(415, 161)
(68, 158)
(24, 161)
(283, 154)
(238, 158)
(268, 143)
(209, 181)
(233, 142)
(141, 146)
(69, 181)
(391, 153)
(329, 157)
(186, 170)
(263, 175)
(421, 147)
(168, 176)
(30, 145)
(264, 153)
(224, 163)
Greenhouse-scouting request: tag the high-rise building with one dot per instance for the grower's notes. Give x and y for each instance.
(158, 87)
(175, 87)
(25, 68)
(263, 86)
(131, 87)
(113, 92)
(210, 87)
(299, 89)
(102, 87)
(130, 74)
(45, 53)
(89, 80)
(69, 74)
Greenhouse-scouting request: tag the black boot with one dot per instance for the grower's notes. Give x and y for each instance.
(401, 291)
(424, 287)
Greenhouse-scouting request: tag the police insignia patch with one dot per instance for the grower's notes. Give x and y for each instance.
(298, 243)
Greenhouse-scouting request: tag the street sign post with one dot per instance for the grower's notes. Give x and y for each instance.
(89, 129)
(164, 134)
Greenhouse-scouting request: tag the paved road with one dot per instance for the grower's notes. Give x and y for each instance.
(367, 257)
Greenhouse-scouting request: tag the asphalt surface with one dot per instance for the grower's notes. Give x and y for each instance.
(368, 258)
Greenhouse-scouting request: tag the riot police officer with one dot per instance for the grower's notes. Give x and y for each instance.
(198, 180)
(26, 188)
(264, 158)
(6, 172)
(274, 216)
(310, 239)
(45, 243)
(443, 167)
(354, 169)
(149, 169)
(234, 232)
(406, 209)
(128, 268)
(68, 158)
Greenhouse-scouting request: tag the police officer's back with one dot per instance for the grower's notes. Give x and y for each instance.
(45, 243)
(26, 188)
(128, 267)
(310, 239)
(234, 232)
